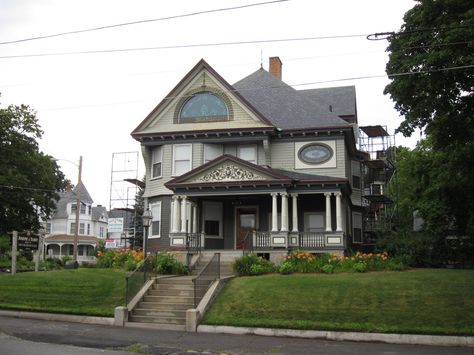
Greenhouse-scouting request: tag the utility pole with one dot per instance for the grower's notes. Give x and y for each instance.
(78, 209)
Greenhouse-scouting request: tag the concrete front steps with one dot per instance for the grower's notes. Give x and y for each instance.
(227, 258)
(165, 303)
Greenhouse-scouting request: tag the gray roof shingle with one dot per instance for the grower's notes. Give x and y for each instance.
(284, 106)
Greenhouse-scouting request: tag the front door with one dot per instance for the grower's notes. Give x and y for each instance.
(246, 223)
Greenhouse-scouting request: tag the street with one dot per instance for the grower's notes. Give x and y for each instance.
(28, 337)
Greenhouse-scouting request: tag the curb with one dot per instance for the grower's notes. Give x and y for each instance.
(58, 317)
(412, 339)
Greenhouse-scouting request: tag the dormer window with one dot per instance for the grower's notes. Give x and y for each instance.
(203, 106)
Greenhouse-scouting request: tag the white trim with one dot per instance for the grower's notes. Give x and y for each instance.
(155, 218)
(173, 167)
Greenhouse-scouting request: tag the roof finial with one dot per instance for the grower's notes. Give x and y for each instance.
(261, 58)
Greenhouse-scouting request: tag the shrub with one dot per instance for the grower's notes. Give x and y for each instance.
(302, 261)
(360, 266)
(252, 264)
(166, 264)
(285, 268)
(328, 269)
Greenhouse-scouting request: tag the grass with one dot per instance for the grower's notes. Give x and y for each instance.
(94, 292)
(424, 301)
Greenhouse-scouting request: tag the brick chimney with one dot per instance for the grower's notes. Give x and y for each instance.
(275, 67)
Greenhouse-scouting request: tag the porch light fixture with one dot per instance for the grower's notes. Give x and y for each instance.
(147, 218)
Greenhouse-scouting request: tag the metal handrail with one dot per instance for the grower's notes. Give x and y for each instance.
(205, 277)
(247, 243)
(193, 242)
(134, 280)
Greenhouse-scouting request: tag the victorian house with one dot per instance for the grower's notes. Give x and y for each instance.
(60, 229)
(254, 165)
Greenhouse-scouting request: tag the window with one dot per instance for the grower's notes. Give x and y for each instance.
(88, 229)
(156, 162)
(355, 167)
(314, 222)
(181, 159)
(101, 232)
(72, 228)
(212, 219)
(89, 208)
(248, 153)
(47, 227)
(156, 221)
(83, 208)
(203, 106)
(357, 227)
(81, 228)
(356, 182)
(315, 153)
(212, 151)
(73, 208)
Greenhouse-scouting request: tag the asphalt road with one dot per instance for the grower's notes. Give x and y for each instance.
(28, 337)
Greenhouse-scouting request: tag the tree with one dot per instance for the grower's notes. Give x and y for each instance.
(435, 45)
(29, 179)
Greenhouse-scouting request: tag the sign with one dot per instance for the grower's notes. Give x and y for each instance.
(110, 244)
(27, 242)
(115, 225)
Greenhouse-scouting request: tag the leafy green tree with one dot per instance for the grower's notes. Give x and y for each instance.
(29, 179)
(435, 44)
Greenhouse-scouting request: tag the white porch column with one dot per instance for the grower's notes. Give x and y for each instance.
(194, 229)
(183, 213)
(328, 212)
(294, 213)
(284, 212)
(274, 212)
(338, 212)
(175, 226)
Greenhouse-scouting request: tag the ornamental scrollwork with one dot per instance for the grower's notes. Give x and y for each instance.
(230, 173)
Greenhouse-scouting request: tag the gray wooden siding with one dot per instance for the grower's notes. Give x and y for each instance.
(283, 157)
(163, 242)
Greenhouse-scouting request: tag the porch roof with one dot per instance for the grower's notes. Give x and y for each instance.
(228, 171)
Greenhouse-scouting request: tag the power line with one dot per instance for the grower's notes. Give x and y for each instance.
(143, 21)
(292, 85)
(12, 187)
(385, 35)
(183, 46)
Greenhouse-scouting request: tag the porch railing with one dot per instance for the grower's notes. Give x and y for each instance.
(263, 240)
(193, 242)
(137, 278)
(310, 240)
(210, 273)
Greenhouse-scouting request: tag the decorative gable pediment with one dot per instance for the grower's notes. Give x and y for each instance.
(227, 172)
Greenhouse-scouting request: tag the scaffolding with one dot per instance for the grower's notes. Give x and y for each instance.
(124, 186)
(378, 181)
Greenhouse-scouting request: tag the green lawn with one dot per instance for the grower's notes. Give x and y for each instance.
(82, 291)
(418, 301)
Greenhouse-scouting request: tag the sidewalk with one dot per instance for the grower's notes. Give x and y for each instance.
(236, 341)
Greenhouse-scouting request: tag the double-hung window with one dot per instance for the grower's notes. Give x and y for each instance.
(155, 230)
(248, 153)
(156, 162)
(182, 154)
(212, 151)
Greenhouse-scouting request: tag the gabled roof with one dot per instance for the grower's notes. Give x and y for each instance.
(342, 99)
(284, 106)
(202, 64)
(228, 170)
(97, 212)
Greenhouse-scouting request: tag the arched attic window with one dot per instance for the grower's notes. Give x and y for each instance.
(204, 106)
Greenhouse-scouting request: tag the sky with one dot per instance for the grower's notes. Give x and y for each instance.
(88, 103)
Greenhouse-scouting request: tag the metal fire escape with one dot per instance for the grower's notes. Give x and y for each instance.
(378, 181)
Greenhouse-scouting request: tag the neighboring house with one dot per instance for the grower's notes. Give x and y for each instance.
(255, 165)
(59, 238)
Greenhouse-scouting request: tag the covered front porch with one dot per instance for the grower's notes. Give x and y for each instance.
(59, 246)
